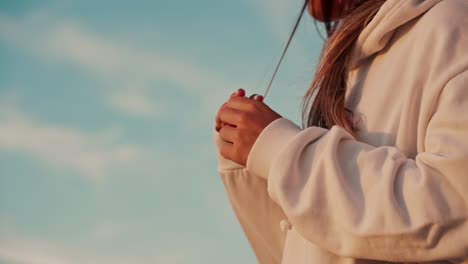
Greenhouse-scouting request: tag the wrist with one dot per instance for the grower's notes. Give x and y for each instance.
(269, 144)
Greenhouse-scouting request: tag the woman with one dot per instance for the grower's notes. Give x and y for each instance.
(380, 171)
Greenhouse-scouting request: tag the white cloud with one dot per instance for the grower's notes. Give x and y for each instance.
(137, 70)
(69, 42)
(72, 43)
(279, 15)
(119, 62)
(20, 249)
(35, 32)
(91, 155)
(106, 231)
(136, 104)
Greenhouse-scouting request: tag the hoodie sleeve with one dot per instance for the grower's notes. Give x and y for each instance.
(257, 214)
(361, 201)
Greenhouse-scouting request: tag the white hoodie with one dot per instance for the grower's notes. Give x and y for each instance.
(398, 192)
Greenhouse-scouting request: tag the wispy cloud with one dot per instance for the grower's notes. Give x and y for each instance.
(20, 249)
(133, 68)
(90, 154)
(136, 104)
(17, 250)
(106, 231)
(279, 15)
(119, 62)
(68, 42)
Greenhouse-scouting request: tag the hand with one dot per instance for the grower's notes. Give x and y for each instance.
(244, 119)
(241, 93)
(219, 124)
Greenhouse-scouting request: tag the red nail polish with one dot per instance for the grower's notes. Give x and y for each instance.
(241, 92)
(259, 98)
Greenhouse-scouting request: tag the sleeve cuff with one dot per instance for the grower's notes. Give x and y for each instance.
(269, 144)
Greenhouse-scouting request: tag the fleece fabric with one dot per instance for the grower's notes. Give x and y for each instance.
(398, 190)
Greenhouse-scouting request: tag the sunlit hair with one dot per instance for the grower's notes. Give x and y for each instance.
(329, 83)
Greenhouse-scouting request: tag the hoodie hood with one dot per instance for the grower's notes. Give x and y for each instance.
(392, 15)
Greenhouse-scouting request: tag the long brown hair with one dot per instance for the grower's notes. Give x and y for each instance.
(330, 78)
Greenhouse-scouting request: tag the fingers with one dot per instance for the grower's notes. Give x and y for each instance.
(218, 123)
(226, 150)
(237, 101)
(231, 116)
(258, 98)
(243, 103)
(218, 127)
(228, 133)
(237, 111)
(241, 92)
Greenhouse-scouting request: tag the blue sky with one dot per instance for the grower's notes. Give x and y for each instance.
(106, 116)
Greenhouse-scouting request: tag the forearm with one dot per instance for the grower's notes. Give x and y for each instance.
(257, 214)
(356, 200)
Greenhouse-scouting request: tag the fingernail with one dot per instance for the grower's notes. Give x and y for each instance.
(241, 92)
(259, 98)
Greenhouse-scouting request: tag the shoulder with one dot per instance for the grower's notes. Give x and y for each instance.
(447, 15)
(450, 7)
(441, 34)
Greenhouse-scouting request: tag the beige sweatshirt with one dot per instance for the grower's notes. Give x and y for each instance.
(398, 192)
